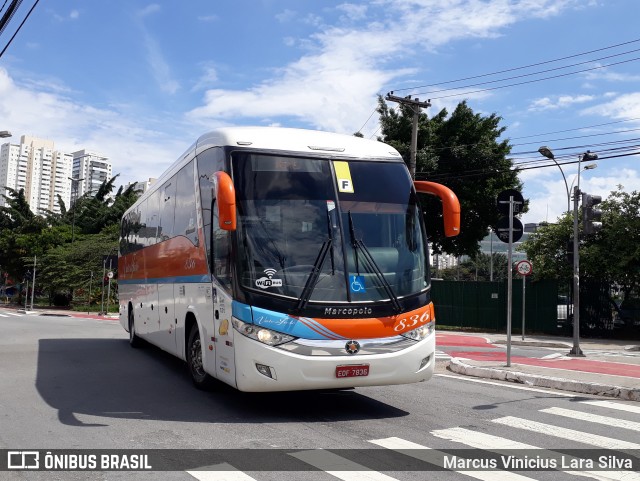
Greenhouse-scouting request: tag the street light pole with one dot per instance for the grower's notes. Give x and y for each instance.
(575, 350)
(546, 151)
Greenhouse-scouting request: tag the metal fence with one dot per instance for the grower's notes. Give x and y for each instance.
(483, 305)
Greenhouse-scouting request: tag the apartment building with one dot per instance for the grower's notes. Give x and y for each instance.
(35, 166)
(141, 186)
(91, 169)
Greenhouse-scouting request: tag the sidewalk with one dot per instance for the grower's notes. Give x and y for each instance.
(609, 368)
(54, 311)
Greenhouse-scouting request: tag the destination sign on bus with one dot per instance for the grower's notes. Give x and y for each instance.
(263, 163)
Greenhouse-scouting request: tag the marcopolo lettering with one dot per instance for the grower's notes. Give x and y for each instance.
(347, 311)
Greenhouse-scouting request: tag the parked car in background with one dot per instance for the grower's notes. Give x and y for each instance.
(629, 314)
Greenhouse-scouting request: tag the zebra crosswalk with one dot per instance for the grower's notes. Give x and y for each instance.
(10, 314)
(589, 414)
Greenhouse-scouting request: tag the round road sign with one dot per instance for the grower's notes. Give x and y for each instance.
(524, 268)
(502, 202)
(502, 229)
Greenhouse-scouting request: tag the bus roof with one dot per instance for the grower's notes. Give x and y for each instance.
(297, 140)
(280, 139)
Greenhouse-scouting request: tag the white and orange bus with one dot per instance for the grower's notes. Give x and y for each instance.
(281, 259)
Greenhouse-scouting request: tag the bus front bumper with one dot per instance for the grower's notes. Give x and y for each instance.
(262, 368)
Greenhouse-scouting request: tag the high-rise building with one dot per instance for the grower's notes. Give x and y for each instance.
(43, 173)
(141, 186)
(91, 169)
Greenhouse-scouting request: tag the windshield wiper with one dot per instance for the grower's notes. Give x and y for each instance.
(359, 244)
(316, 269)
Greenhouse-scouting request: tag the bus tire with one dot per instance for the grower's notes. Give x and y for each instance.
(200, 378)
(134, 340)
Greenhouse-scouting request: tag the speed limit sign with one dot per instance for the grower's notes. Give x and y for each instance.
(524, 268)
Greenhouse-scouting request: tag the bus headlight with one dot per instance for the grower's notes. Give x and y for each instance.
(262, 334)
(421, 332)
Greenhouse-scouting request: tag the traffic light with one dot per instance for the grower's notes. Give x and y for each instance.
(569, 252)
(590, 214)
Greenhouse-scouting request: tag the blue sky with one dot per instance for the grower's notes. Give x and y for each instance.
(140, 81)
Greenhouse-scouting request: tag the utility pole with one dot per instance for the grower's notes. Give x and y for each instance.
(33, 284)
(415, 106)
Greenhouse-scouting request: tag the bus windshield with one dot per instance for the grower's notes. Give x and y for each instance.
(317, 230)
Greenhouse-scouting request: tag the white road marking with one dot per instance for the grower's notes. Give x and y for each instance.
(435, 457)
(495, 443)
(226, 473)
(593, 418)
(507, 385)
(564, 433)
(340, 467)
(620, 406)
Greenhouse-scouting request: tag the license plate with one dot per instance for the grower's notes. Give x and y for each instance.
(353, 370)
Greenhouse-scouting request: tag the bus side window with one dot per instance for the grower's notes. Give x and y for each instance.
(142, 231)
(167, 207)
(209, 162)
(221, 267)
(185, 219)
(153, 217)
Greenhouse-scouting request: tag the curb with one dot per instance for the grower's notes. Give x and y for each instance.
(536, 343)
(458, 366)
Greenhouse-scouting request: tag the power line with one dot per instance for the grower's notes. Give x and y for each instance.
(19, 27)
(534, 73)
(460, 94)
(8, 15)
(522, 67)
(363, 125)
(576, 128)
(488, 171)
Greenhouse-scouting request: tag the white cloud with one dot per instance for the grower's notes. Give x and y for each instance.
(559, 102)
(130, 141)
(625, 106)
(286, 16)
(72, 15)
(159, 66)
(149, 9)
(208, 18)
(349, 66)
(547, 193)
(208, 78)
(353, 11)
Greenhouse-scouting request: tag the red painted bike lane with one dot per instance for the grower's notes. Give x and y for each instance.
(444, 341)
(461, 340)
(572, 364)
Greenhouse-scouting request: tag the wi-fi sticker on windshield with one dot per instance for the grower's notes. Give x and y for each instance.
(269, 281)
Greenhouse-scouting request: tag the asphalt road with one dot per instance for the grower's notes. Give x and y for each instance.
(69, 383)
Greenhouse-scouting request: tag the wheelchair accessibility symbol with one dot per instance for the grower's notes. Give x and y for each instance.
(357, 283)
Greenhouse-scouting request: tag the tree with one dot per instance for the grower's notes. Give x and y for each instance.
(549, 248)
(478, 268)
(461, 151)
(20, 234)
(613, 254)
(64, 260)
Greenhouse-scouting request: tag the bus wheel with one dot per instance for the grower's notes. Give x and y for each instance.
(134, 340)
(194, 360)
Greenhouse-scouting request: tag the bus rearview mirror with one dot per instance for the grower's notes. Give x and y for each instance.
(226, 201)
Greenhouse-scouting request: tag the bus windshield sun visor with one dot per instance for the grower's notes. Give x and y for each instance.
(373, 265)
